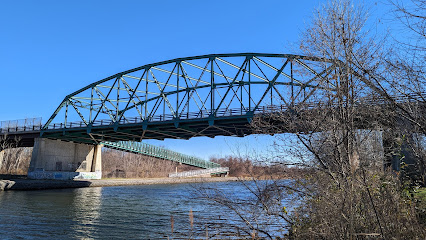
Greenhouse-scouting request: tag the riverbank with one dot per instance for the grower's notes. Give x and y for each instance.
(31, 184)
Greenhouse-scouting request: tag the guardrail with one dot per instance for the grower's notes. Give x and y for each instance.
(199, 172)
(226, 112)
(168, 117)
(21, 125)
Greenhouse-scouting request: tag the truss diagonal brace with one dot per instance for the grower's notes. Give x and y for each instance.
(271, 84)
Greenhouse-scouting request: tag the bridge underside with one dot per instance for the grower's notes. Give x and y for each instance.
(20, 139)
(175, 129)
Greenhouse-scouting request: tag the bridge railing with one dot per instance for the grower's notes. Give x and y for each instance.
(199, 172)
(168, 117)
(16, 126)
(21, 125)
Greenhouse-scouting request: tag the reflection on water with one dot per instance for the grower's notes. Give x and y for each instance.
(45, 214)
(86, 207)
(125, 212)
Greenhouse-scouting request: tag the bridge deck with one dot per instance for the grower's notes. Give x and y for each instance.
(233, 122)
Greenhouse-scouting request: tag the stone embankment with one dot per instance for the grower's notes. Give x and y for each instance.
(30, 184)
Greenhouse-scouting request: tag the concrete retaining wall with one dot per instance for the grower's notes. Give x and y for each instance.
(64, 175)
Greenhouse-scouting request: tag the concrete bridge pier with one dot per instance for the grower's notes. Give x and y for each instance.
(392, 150)
(398, 150)
(400, 156)
(55, 159)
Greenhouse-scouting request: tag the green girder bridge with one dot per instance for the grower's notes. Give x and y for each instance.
(209, 95)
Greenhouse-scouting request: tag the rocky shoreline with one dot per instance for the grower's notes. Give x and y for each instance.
(31, 184)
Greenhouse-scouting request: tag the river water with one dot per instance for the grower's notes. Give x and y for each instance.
(123, 212)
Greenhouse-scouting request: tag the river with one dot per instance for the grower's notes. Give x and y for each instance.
(122, 212)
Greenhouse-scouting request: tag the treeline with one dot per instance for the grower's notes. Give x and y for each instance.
(244, 167)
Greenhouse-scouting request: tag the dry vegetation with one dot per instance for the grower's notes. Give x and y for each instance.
(13, 160)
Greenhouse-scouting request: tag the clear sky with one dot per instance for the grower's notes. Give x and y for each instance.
(49, 49)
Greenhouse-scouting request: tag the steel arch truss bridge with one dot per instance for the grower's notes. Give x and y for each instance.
(206, 95)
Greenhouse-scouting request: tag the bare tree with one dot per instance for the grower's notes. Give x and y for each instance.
(406, 75)
(339, 148)
(345, 192)
(412, 14)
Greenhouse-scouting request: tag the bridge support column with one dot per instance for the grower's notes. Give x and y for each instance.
(391, 151)
(55, 159)
(97, 159)
(397, 150)
(400, 156)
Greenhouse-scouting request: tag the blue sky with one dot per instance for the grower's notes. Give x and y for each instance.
(49, 49)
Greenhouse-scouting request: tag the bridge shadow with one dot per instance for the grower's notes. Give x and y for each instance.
(21, 182)
(12, 176)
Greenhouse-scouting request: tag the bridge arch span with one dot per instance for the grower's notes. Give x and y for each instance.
(206, 95)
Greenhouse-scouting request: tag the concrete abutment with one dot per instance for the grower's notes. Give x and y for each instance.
(55, 159)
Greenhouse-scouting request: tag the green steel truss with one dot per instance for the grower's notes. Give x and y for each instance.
(158, 152)
(207, 95)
